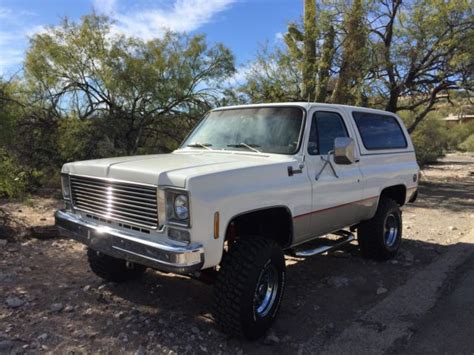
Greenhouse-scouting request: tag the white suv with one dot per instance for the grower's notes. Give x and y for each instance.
(249, 184)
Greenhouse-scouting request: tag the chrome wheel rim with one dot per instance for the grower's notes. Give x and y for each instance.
(391, 230)
(266, 291)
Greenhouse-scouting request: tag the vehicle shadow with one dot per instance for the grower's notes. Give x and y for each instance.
(323, 295)
(165, 312)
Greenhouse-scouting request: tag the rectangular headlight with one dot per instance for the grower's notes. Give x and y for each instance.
(177, 207)
(66, 186)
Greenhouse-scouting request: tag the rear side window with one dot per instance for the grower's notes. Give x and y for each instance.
(379, 131)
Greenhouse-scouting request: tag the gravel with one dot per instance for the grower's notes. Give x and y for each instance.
(6, 346)
(337, 281)
(56, 307)
(271, 339)
(14, 302)
(43, 337)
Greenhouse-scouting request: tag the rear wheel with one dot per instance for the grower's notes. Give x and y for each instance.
(113, 269)
(249, 287)
(380, 237)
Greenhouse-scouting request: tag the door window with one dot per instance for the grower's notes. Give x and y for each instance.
(325, 127)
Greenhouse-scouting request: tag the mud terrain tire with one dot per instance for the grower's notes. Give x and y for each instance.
(113, 269)
(380, 237)
(249, 287)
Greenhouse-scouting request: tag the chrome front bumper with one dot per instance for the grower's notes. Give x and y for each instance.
(159, 255)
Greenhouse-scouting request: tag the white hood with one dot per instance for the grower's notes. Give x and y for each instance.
(169, 169)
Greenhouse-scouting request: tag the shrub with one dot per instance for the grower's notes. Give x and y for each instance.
(83, 140)
(458, 134)
(13, 180)
(429, 140)
(468, 144)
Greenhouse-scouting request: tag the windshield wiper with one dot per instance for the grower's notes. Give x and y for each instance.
(245, 145)
(200, 145)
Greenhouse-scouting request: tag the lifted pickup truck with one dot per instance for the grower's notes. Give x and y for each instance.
(249, 184)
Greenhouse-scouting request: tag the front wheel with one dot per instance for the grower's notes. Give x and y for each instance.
(249, 287)
(380, 237)
(113, 269)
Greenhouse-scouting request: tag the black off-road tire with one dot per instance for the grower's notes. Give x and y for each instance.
(372, 235)
(235, 289)
(113, 269)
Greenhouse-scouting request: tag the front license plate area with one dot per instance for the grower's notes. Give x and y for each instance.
(98, 240)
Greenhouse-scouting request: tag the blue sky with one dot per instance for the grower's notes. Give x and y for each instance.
(242, 25)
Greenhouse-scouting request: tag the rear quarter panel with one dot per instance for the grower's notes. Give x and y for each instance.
(383, 168)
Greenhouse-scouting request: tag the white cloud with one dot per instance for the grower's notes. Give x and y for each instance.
(132, 20)
(39, 29)
(279, 36)
(105, 6)
(182, 16)
(6, 37)
(13, 37)
(10, 58)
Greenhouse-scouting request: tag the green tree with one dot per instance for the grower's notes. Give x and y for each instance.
(9, 110)
(423, 51)
(132, 89)
(401, 56)
(13, 176)
(309, 57)
(272, 77)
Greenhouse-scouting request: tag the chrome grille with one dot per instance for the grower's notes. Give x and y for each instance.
(119, 201)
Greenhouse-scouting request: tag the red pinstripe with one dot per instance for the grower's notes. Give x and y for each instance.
(338, 206)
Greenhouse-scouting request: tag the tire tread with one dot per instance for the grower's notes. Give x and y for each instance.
(236, 266)
(113, 269)
(370, 233)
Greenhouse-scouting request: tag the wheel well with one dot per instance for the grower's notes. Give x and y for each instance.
(397, 193)
(274, 223)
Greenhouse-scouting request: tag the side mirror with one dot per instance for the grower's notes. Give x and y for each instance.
(344, 151)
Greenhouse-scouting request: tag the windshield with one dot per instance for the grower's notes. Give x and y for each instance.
(270, 130)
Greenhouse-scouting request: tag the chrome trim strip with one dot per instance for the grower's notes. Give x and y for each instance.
(119, 189)
(113, 180)
(122, 211)
(152, 259)
(161, 255)
(117, 202)
(117, 219)
(133, 198)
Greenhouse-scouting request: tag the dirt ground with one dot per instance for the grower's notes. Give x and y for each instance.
(51, 301)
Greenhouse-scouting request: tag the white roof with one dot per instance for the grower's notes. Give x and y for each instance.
(306, 105)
